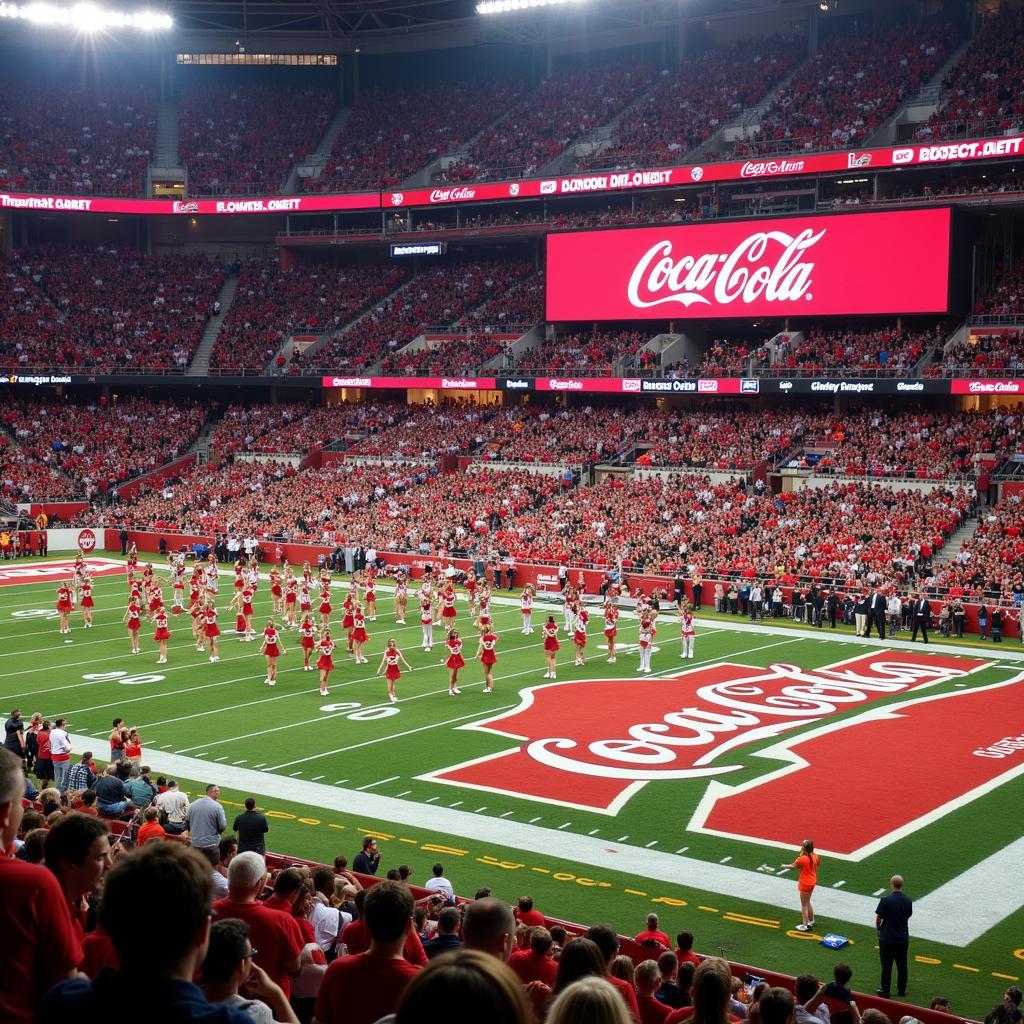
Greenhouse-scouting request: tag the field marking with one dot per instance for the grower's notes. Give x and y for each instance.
(379, 782)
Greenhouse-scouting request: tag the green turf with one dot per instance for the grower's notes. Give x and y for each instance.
(224, 711)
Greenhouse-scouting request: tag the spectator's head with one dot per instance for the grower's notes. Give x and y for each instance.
(524, 904)
(1012, 996)
(34, 846)
(288, 884)
(228, 847)
(941, 1003)
(89, 797)
(712, 987)
(404, 872)
(448, 921)
(874, 1016)
(580, 958)
(211, 854)
(340, 862)
(250, 804)
(213, 792)
(805, 988)
(540, 941)
(171, 936)
(489, 926)
(558, 934)
(87, 757)
(591, 1000)
(78, 853)
(647, 977)
(842, 974)
(606, 939)
(652, 922)
(668, 965)
(684, 942)
(776, 1006)
(246, 876)
(622, 967)
(12, 790)
(228, 960)
(387, 910)
(369, 845)
(465, 985)
(172, 784)
(1001, 1013)
(393, 875)
(438, 870)
(323, 881)
(896, 882)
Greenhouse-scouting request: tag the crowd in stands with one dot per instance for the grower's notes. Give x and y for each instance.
(437, 297)
(988, 564)
(1007, 296)
(105, 308)
(450, 355)
(980, 94)
(690, 104)
(522, 305)
(545, 121)
(78, 141)
(242, 138)
(592, 352)
(847, 90)
(821, 350)
(91, 447)
(393, 132)
(982, 354)
(272, 303)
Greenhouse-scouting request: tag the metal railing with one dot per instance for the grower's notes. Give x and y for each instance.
(996, 320)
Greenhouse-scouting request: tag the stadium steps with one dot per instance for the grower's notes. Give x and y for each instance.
(918, 108)
(200, 365)
(947, 553)
(166, 154)
(317, 160)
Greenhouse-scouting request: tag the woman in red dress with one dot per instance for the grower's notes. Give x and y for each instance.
(133, 620)
(348, 618)
(195, 610)
(550, 633)
(485, 652)
(324, 661)
(211, 630)
(64, 607)
(371, 600)
(579, 634)
(307, 634)
(273, 648)
(359, 635)
(455, 661)
(276, 594)
(389, 665)
(162, 635)
(448, 607)
(401, 597)
(611, 617)
(325, 603)
(85, 589)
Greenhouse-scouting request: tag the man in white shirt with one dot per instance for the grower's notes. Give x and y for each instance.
(60, 752)
(175, 804)
(328, 923)
(441, 885)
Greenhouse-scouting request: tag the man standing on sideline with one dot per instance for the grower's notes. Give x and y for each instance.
(206, 820)
(876, 613)
(921, 618)
(251, 827)
(123, 538)
(60, 754)
(891, 919)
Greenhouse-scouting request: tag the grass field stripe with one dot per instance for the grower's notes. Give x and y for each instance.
(379, 782)
(964, 967)
(1005, 977)
(927, 960)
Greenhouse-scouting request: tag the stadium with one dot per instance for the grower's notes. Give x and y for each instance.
(512, 509)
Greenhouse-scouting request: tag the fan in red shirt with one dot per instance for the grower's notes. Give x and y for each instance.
(275, 935)
(535, 963)
(648, 978)
(712, 989)
(684, 949)
(363, 988)
(653, 936)
(525, 914)
(607, 942)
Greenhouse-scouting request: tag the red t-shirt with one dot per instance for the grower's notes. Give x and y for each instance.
(98, 952)
(356, 937)
(530, 967)
(274, 935)
(659, 937)
(361, 989)
(689, 957)
(628, 993)
(531, 918)
(651, 1011)
(39, 943)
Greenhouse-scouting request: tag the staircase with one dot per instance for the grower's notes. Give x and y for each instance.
(312, 166)
(201, 445)
(949, 550)
(200, 365)
(165, 164)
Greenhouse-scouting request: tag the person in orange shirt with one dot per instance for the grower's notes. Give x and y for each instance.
(807, 863)
(150, 827)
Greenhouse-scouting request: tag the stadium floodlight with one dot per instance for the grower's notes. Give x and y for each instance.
(86, 17)
(504, 6)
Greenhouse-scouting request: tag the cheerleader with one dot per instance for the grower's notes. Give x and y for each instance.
(252, 575)
(687, 630)
(147, 575)
(291, 595)
(133, 621)
(447, 618)
(307, 572)
(196, 612)
(611, 616)
(526, 608)
(647, 632)
(133, 556)
(324, 661)
(485, 652)
(156, 600)
(371, 599)
(64, 607)
(211, 630)
(455, 661)
(359, 635)
(177, 582)
(211, 582)
(273, 648)
(484, 602)
(195, 582)
(162, 634)
(401, 597)
(550, 633)
(325, 603)
(569, 610)
(242, 603)
(239, 569)
(76, 578)
(579, 635)
(87, 602)
(348, 619)
(426, 621)
(277, 595)
(389, 665)
(305, 599)
(307, 634)
(471, 590)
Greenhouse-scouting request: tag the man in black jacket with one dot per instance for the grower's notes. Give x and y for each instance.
(921, 618)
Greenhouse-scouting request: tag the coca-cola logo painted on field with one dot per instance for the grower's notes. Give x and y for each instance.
(806, 266)
(86, 540)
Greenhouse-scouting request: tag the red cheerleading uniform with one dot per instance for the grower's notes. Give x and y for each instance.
(63, 598)
(271, 650)
(247, 596)
(238, 578)
(162, 632)
(579, 636)
(134, 621)
(240, 624)
(359, 630)
(210, 627)
(325, 662)
(275, 584)
(325, 601)
(347, 621)
(307, 633)
(687, 627)
(305, 601)
(289, 596)
(455, 659)
(426, 615)
(550, 637)
(647, 634)
(448, 600)
(87, 601)
(391, 671)
(371, 594)
(488, 655)
(611, 616)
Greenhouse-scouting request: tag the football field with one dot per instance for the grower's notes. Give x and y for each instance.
(605, 793)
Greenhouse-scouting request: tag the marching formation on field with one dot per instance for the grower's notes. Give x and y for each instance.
(292, 605)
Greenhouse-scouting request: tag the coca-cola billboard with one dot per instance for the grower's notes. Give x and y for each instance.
(796, 266)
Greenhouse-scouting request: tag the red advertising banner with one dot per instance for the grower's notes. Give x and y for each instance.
(186, 207)
(793, 266)
(986, 387)
(440, 383)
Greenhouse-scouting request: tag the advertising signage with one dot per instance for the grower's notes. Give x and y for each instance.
(824, 265)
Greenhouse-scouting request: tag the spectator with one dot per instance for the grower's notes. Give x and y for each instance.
(490, 927)
(810, 1007)
(159, 952)
(526, 914)
(328, 921)
(648, 981)
(175, 805)
(439, 884)
(712, 991)
(777, 1006)
(607, 942)
(368, 858)
(150, 827)
(447, 938)
(141, 790)
(591, 999)
(652, 935)
(363, 988)
(111, 795)
(60, 753)
(536, 962)
(670, 991)
(82, 776)
(251, 826)
(206, 820)
(78, 854)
